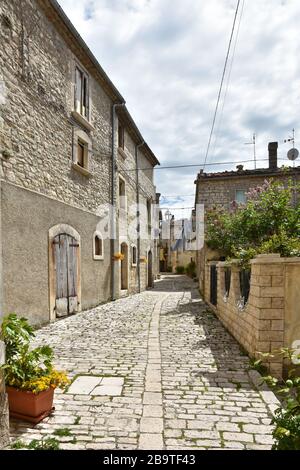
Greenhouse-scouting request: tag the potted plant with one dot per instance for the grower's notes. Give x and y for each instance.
(118, 256)
(29, 374)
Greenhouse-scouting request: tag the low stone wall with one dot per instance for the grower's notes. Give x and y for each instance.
(271, 318)
(4, 424)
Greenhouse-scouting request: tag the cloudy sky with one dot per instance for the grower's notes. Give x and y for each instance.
(166, 58)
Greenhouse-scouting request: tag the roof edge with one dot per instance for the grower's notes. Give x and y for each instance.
(46, 6)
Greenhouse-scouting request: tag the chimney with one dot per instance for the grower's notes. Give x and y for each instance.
(272, 148)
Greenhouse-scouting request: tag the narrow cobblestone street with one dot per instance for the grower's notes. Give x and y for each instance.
(186, 381)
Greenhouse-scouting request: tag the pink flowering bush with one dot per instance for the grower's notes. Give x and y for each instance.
(269, 222)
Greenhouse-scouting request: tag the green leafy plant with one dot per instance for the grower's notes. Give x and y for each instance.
(77, 420)
(191, 269)
(48, 443)
(25, 368)
(286, 417)
(179, 269)
(63, 432)
(267, 223)
(17, 445)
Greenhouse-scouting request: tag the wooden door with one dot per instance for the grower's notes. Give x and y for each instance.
(66, 259)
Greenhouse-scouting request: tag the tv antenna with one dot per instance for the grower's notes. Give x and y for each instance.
(291, 139)
(254, 147)
(293, 153)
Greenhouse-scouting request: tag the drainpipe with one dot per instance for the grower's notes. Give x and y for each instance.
(113, 202)
(137, 147)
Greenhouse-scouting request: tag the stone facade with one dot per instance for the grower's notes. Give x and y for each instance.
(268, 321)
(43, 185)
(48, 188)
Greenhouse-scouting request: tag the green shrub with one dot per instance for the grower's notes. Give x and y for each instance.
(191, 269)
(179, 269)
(286, 418)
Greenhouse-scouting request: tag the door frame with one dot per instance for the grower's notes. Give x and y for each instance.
(53, 232)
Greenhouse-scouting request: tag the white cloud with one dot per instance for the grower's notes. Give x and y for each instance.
(166, 57)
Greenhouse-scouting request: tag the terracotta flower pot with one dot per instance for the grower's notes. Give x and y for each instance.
(29, 406)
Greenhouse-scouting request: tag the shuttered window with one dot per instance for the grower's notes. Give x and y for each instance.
(134, 255)
(81, 93)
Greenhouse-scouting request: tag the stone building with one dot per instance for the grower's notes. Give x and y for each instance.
(223, 188)
(72, 164)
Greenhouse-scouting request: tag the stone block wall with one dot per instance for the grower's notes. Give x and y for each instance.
(268, 319)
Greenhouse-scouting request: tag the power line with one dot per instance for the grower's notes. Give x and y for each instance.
(222, 81)
(176, 208)
(198, 165)
(228, 79)
(178, 195)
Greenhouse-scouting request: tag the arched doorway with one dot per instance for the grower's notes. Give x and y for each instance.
(150, 273)
(124, 267)
(64, 271)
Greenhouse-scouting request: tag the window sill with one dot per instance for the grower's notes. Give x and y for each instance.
(98, 258)
(81, 170)
(82, 120)
(122, 153)
(133, 265)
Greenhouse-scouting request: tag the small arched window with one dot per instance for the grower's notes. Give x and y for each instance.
(98, 246)
(133, 255)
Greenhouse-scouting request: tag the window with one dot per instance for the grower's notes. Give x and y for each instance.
(81, 93)
(121, 136)
(134, 255)
(82, 154)
(240, 196)
(122, 193)
(98, 246)
(149, 216)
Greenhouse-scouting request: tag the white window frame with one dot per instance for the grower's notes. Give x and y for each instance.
(85, 75)
(235, 194)
(98, 257)
(123, 208)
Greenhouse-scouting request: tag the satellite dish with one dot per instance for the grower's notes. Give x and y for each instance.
(293, 154)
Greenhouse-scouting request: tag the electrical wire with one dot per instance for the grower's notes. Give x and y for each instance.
(198, 165)
(222, 81)
(228, 80)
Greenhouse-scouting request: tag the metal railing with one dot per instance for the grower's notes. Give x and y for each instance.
(213, 284)
(245, 276)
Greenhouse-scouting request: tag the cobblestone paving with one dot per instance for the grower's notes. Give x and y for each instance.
(186, 381)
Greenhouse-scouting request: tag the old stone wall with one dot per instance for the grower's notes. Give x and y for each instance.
(127, 219)
(267, 322)
(26, 220)
(37, 133)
